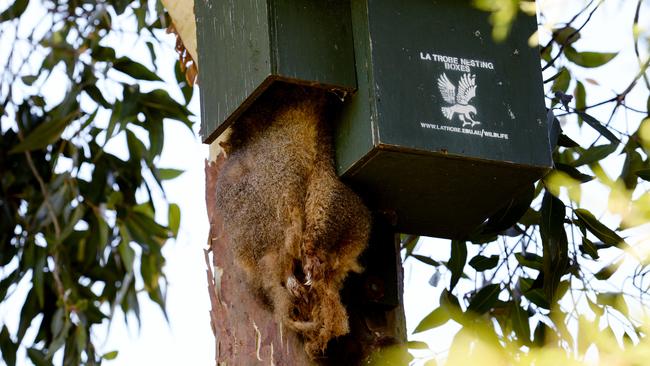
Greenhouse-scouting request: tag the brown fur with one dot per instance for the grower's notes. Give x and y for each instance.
(297, 231)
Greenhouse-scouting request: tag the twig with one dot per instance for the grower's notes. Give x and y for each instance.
(57, 228)
(560, 52)
(637, 14)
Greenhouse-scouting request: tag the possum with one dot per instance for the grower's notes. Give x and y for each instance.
(296, 230)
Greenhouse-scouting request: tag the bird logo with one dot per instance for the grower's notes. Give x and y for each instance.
(459, 101)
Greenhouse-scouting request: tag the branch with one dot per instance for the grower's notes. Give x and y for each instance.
(637, 13)
(550, 63)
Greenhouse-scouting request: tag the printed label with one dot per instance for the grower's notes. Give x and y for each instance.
(459, 88)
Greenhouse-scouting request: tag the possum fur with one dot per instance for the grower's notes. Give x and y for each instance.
(296, 230)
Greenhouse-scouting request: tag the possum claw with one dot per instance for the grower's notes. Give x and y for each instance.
(313, 270)
(294, 287)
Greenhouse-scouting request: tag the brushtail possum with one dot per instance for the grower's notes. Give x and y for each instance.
(296, 229)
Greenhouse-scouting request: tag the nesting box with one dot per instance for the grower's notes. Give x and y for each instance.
(247, 45)
(445, 125)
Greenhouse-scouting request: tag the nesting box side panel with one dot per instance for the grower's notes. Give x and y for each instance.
(312, 42)
(234, 54)
(444, 84)
(355, 133)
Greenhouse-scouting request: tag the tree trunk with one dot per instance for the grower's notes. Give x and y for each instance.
(246, 332)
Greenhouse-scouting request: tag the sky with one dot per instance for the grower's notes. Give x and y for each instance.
(187, 339)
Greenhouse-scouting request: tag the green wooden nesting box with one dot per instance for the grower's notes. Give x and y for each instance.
(246, 45)
(447, 125)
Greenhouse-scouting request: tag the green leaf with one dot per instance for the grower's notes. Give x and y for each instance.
(566, 35)
(484, 299)
(38, 357)
(574, 173)
(80, 337)
(77, 215)
(565, 141)
(580, 95)
(29, 79)
(554, 243)
(167, 173)
(525, 284)
(6, 282)
(14, 11)
(105, 54)
(408, 243)
(586, 219)
(589, 248)
(457, 261)
(538, 297)
(37, 278)
(127, 255)
(588, 59)
(27, 314)
(530, 260)
(562, 80)
(520, 323)
(644, 174)
(417, 345)
(614, 300)
(425, 260)
(633, 163)
(7, 347)
(159, 100)
(95, 94)
(45, 134)
(174, 218)
(110, 355)
(436, 318)
(530, 218)
(481, 263)
(134, 69)
(596, 125)
(606, 272)
(541, 331)
(450, 303)
(594, 154)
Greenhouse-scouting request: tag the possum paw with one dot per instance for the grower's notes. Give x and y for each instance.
(315, 349)
(295, 288)
(303, 327)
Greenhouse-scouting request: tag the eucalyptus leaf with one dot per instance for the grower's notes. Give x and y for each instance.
(520, 323)
(554, 242)
(483, 300)
(436, 318)
(482, 263)
(14, 11)
(174, 218)
(45, 134)
(602, 129)
(602, 232)
(588, 59)
(456, 263)
(134, 69)
(168, 173)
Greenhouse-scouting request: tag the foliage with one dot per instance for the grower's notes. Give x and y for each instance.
(545, 279)
(77, 220)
